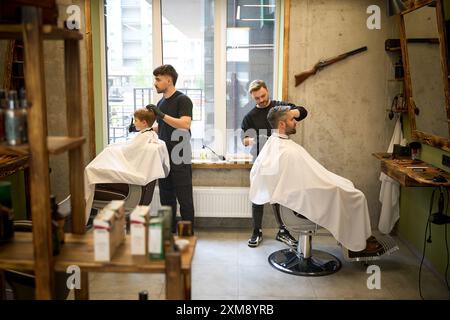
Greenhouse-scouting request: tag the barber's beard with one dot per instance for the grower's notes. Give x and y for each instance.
(291, 131)
(159, 90)
(264, 104)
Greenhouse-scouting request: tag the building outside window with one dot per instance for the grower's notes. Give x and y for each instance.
(217, 48)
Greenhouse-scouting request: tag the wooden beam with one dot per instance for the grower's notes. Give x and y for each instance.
(90, 78)
(83, 292)
(37, 130)
(443, 51)
(407, 74)
(174, 282)
(287, 15)
(75, 129)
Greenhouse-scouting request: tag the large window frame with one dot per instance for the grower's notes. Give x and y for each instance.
(220, 20)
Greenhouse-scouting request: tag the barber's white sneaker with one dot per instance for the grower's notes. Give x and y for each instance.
(256, 239)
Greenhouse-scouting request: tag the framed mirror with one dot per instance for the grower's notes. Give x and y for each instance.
(426, 77)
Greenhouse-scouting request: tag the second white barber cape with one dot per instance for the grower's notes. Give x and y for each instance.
(285, 173)
(138, 161)
(390, 190)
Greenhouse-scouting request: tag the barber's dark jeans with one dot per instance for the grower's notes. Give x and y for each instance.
(257, 215)
(178, 185)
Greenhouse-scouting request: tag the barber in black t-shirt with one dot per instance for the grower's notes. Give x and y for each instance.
(256, 129)
(174, 116)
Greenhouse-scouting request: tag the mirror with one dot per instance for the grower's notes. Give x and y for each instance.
(425, 85)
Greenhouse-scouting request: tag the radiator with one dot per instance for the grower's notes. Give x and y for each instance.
(219, 202)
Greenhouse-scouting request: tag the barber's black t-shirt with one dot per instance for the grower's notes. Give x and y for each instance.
(256, 119)
(177, 106)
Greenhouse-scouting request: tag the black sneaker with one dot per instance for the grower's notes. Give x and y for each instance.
(256, 239)
(284, 236)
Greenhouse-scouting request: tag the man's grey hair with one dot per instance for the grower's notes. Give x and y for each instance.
(276, 114)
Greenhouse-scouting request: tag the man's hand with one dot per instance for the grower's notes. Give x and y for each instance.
(158, 113)
(295, 113)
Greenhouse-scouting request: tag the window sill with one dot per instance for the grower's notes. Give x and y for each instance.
(220, 165)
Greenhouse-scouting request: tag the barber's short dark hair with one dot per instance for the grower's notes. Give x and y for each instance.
(276, 114)
(166, 70)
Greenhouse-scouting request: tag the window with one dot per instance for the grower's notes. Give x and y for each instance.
(217, 48)
(128, 29)
(250, 55)
(188, 44)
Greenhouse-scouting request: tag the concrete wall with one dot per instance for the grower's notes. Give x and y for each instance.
(56, 93)
(347, 101)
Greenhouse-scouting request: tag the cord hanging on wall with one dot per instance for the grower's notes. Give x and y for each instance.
(440, 217)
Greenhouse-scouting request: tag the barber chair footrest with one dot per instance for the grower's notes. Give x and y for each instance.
(319, 264)
(389, 246)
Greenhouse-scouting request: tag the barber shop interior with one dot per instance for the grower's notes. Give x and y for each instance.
(224, 150)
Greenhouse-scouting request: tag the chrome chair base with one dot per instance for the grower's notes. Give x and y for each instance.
(319, 264)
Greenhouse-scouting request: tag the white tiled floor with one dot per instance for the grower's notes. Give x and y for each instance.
(224, 268)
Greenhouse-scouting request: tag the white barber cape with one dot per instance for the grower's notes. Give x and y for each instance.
(138, 161)
(285, 173)
(390, 190)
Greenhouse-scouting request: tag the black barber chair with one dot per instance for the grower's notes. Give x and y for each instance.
(303, 260)
(133, 195)
(22, 283)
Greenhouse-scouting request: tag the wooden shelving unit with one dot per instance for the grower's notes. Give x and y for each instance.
(79, 250)
(40, 258)
(28, 251)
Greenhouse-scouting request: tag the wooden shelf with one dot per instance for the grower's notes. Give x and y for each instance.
(79, 250)
(402, 170)
(12, 162)
(35, 251)
(49, 32)
(56, 145)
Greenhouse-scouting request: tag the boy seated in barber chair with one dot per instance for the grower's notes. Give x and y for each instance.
(284, 173)
(138, 162)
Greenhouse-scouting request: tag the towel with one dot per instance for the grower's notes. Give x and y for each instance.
(390, 190)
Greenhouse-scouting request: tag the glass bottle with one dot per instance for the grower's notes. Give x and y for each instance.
(143, 295)
(58, 218)
(23, 105)
(14, 125)
(3, 103)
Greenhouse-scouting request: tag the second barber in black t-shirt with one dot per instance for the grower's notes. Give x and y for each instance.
(174, 116)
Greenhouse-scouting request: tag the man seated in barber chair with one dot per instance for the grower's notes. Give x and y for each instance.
(285, 174)
(134, 165)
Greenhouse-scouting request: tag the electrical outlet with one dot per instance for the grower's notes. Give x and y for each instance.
(446, 160)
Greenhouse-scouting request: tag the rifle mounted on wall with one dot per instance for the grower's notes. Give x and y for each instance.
(299, 78)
